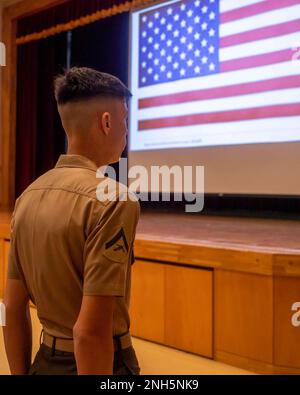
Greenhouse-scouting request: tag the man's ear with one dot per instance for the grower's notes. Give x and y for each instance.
(105, 122)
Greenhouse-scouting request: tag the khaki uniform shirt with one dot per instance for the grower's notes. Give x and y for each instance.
(66, 243)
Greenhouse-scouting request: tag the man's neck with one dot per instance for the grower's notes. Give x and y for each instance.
(87, 154)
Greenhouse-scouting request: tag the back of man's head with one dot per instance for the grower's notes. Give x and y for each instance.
(93, 110)
(82, 83)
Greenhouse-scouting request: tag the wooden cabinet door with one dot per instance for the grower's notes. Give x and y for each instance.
(4, 250)
(147, 305)
(189, 310)
(287, 321)
(172, 305)
(244, 316)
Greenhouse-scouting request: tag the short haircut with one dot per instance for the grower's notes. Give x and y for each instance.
(80, 83)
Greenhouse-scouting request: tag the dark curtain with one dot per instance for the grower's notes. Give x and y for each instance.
(40, 138)
(103, 45)
(26, 129)
(39, 135)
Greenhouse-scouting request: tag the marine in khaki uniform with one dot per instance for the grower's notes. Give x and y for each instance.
(71, 252)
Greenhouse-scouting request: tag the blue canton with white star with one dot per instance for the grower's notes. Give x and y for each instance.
(179, 41)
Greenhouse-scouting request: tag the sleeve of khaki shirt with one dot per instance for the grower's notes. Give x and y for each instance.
(108, 249)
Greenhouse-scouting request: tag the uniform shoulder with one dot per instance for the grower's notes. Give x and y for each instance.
(103, 190)
(70, 179)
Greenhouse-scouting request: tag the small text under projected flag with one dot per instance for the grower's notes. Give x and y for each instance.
(215, 72)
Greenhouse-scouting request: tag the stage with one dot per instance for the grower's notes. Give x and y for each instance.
(219, 287)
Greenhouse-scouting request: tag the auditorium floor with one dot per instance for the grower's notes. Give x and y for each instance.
(153, 358)
(157, 359)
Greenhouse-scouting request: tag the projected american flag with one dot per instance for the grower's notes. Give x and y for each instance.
(212, 62)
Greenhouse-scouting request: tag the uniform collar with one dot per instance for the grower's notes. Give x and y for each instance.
(76, 161)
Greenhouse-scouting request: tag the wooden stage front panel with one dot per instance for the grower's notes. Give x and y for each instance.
(255, 274)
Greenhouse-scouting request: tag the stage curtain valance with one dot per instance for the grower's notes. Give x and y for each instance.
(70, 15)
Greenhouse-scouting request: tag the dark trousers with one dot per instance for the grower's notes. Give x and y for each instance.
(49, 361)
